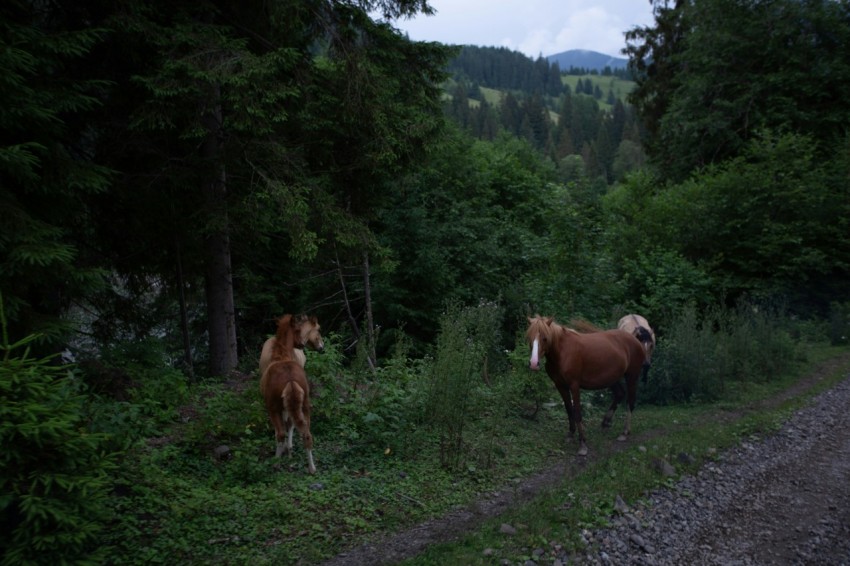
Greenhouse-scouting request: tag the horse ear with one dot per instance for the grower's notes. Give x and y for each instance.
(548, 320)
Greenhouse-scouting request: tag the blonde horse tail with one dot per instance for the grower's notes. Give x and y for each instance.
(293, 402)
(583, 326)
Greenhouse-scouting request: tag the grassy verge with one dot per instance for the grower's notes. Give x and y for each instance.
(586, 496)
(175, 502)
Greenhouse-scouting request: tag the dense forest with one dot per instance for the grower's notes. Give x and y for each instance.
(176, 175)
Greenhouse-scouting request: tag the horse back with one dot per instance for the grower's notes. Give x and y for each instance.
(612, 354)
(635, 352)
(266, 355)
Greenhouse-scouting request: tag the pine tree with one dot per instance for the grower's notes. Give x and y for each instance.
(45, 163)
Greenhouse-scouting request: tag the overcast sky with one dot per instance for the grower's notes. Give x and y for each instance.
(534, 27)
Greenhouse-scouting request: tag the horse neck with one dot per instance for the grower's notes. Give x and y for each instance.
(284, 342)
(560, 338)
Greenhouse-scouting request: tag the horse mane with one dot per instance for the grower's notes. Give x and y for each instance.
(544, 326)
(285, 341)
(583, 326)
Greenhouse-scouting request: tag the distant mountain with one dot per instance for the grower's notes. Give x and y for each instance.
(584, 59)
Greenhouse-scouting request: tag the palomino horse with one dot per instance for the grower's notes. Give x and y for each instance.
(310, 336)
(286, 391)
(638, 326)
(577, 361)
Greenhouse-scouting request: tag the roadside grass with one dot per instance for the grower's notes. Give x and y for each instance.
(174, 501)
(585, 499)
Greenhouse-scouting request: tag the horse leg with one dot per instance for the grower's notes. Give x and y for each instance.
(303, 426)
(568, 405)
(279, 434)
(290, 428)
(631, 386)
(576, 393)
(618, 393)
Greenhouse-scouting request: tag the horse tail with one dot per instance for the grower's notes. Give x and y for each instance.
(583, 326)
(643, 334)
(645, 372)
(293, 402)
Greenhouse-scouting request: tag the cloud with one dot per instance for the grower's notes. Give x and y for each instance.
(533, 27)
(591, 28)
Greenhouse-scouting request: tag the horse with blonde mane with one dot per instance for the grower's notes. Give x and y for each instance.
(596, 360)
(286, 391)
(638, 326)
(309, 336)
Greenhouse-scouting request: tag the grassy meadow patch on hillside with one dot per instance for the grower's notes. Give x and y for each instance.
(620, 87)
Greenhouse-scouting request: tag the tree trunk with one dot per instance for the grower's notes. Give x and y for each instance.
(184, 316)
(370, 324)
(221, 313)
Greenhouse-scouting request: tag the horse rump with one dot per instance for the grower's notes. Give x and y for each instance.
(287, 395)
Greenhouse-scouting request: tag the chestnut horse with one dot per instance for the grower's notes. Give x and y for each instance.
(638, 326)
(576, 361)
(286, 391)
(309, 336)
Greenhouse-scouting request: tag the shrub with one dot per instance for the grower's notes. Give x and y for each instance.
(839, 323)
(466, 338)
(53, 472)
(697, 357)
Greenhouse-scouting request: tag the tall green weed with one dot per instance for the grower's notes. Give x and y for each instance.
(839, 323)
(456, 389)
(699, 356)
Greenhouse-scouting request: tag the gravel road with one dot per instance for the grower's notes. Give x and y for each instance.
(782, 500)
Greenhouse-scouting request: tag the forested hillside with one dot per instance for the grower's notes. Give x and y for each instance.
(177, 175)
(495, 90)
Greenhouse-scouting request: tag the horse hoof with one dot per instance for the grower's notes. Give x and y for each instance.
(622, 438)
(582, 451)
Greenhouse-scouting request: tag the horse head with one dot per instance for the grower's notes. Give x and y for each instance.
(539, 336)
(309, 334)
(644, 336)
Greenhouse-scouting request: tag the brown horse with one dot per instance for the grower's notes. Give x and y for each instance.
(309, 336)
(576, 361)
(638, 326)
(286, 391)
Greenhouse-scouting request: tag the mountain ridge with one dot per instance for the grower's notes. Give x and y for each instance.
(586, 59)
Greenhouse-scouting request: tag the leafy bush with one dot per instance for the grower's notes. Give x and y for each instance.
(697, 357)
(839, 323)
(466, 337)
(687, 364)
(134, 390)
(53, 472)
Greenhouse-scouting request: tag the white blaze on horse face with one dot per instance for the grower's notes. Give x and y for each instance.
(535, 350)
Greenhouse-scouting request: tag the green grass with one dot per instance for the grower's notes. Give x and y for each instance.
(586, 497)
(620, 87)
(177, 503)
(174, 502)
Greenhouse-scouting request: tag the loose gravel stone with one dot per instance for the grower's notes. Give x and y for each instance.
(781, 500)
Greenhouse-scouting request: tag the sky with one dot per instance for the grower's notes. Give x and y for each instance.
(533, 27)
